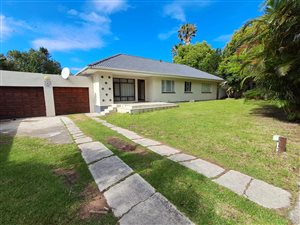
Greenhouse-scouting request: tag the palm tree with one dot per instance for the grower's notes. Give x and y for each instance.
(175, 49)
(186, 32)
(273, 50)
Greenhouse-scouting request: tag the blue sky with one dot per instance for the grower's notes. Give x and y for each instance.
(80, 32)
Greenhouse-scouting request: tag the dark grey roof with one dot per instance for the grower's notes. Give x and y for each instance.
(134, 63)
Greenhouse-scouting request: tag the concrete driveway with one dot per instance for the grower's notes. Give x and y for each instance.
(50, 128)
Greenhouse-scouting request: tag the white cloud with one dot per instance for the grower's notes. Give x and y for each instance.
(110, 6)
(87, 32)
(9, 25)
(72, 37)
(168, 34)
(72, 12)
(94, 17)
(223, 38)
(177, 9)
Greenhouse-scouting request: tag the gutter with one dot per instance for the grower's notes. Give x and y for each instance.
(150, 73)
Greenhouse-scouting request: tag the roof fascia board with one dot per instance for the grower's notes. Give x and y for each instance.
(150, 74)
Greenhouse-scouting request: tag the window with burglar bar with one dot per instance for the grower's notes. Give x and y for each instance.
(167, 86)
(187, 86)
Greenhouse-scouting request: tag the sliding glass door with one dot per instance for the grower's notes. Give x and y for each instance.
(124, 89)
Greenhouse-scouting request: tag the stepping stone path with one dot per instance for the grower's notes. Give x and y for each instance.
(180, 157)
(94, 151)
(235, 181)
(163, 150)
(123, 196)
(268, 195)
(203, 167)
(255, 190)
(132, 199)
(161, 211)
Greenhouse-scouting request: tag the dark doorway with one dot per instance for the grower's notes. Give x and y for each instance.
(141, 90)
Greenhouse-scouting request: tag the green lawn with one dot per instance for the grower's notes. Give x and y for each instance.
(232, 133)
(203, 201)
(30, 192)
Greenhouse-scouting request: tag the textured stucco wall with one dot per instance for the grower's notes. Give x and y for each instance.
(155, 90)
(23, 79)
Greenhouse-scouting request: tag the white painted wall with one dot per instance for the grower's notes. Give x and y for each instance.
(23, 79)
(155, 90)
(152, 88)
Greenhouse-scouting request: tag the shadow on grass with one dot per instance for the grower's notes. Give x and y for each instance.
(31, 193)
(8, 130)
(270, 111)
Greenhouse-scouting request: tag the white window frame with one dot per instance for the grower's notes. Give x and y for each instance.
(206, 88)
(167, 86)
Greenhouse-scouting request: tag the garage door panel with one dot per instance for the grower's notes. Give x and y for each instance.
(71, 100)
(16, 102)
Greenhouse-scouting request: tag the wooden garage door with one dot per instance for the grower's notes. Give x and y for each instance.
(18, 102)
(71, 100)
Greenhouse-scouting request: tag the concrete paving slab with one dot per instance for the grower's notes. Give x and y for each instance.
(95, 145)
(50, 128)
(181, 157)
(156, 210)
(295, 213)
(234, 180)
(83, 140)
(131, 135)
(203, 167)
(95, 155)
(79, 135)
(108, 124)
(94, 151)
(109, 171)
(163, 150)
(75, 133)
(146, 142)
(66, 120)
(120, 130)
(126, 194)
(74, 130)
(267, 195)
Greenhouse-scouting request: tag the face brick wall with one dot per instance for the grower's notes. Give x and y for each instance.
(18, 102)
(71, 100)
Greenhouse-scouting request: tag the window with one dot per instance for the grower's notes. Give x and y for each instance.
(206, 88)
(124, 89)
(167, 86)
(187, 87)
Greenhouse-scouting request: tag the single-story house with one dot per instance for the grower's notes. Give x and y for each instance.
(117, 79)
(125, 78)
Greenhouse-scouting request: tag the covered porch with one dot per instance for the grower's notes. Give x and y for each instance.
(139, 107)
(128, 89)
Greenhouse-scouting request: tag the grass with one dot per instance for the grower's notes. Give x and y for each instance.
(232, 133)
(203, 201)
(30, 193)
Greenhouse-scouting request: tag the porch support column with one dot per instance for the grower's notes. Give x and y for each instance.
(136, 89)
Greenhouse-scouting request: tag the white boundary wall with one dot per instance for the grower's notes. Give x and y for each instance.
(24, 79)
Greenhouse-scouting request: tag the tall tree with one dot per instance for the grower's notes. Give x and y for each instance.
(232, 68)
(186, 32)
(36, 61)
(200, 56)
(276, 62)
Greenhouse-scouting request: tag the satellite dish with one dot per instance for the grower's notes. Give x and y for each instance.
(65, 73)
